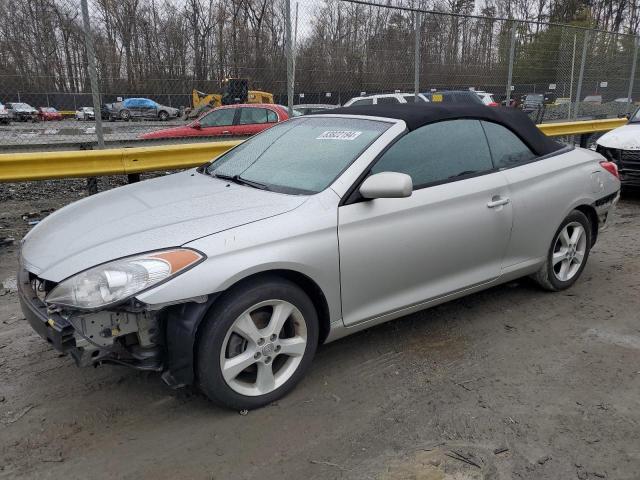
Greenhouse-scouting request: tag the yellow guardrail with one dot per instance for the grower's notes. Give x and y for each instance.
(122, 161)
(67, 113)
(113, 161)
(580, 128)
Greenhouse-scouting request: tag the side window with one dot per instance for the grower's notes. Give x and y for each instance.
(272, 117)
(363, 101)
(250, 115)
(438, 152)
(507, 149)
(387, 100)
(219, 118)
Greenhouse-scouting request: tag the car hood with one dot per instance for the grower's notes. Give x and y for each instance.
(164, 212)
(626, 137)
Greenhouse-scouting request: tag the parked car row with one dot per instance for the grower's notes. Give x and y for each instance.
(249, 119)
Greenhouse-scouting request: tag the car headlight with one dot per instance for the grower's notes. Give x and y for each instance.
(119, 280)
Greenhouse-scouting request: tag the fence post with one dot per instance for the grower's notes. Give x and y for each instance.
(92, 183)
(289, 54)
(512, 51)
(416, 66)
(573, 63)
(93, 74)
(633, 73)
(581, 75)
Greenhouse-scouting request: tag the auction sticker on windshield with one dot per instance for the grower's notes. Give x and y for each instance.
(339, 135)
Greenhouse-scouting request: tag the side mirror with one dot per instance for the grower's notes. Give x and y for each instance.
(387, 185)
(196, 125)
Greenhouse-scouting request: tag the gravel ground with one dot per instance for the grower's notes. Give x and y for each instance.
(509, 383)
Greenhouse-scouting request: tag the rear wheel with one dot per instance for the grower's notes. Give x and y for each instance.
(257, 343)
(568, 253)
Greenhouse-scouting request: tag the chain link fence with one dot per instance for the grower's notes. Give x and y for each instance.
(179, 55)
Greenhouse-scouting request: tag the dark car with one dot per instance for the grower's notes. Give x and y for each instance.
(307, 108)
(454, 96)
(22, 112)
(532, 102)
(138, 108)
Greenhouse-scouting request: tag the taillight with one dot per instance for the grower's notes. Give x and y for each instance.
(610, 167)
(492, 104)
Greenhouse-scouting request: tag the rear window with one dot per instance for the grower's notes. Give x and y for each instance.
(412, 99)
(301, 156)
(363, 101)
(387, 100)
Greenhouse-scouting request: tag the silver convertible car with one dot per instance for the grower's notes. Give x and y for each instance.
(229, 276)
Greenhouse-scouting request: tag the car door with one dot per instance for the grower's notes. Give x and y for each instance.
(148, 109)
(217, 122)
(450, 234)
(541, 191)
(253, 120)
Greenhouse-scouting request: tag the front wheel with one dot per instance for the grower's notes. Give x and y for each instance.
(163, 116)
(257, 343)
(125, 115)
(568, 253)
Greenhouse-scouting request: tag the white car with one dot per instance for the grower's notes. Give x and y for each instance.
(622, 147)
(487, 98)
(4, 115)
(385, 98)
(85, 113)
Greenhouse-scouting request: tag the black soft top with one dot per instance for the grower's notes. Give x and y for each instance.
(415, 115)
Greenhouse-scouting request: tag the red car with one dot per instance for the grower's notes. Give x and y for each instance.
(48, 113)
(229, 120)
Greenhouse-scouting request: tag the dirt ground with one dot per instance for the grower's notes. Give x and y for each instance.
(509, 383)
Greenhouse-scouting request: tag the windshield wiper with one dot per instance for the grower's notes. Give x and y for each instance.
(240, 181)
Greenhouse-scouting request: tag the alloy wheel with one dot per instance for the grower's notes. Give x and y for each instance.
(569, 251)
(263, 348)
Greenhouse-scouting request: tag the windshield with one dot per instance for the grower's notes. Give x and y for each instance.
(300, 156)
(22, 105)
(534, 98)
(635, 118)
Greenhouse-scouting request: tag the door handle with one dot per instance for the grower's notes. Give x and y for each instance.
(226, 132)
(498, 202)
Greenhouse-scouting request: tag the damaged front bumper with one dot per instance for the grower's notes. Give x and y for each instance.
(132, 338)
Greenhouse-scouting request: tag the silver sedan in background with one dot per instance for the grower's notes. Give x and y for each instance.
(229, 276)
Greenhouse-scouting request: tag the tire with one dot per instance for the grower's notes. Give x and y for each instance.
(163, 116)
(125, 115)
(249, 308)
(566, 258)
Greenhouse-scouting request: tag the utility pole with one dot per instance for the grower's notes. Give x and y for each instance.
(416, 67)
(289, 54)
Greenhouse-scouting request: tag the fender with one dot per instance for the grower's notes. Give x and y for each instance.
(181, 325)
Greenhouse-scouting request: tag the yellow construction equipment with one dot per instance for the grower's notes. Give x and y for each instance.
(234, 90)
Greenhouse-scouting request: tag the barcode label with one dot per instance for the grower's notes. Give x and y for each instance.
(339, 135)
